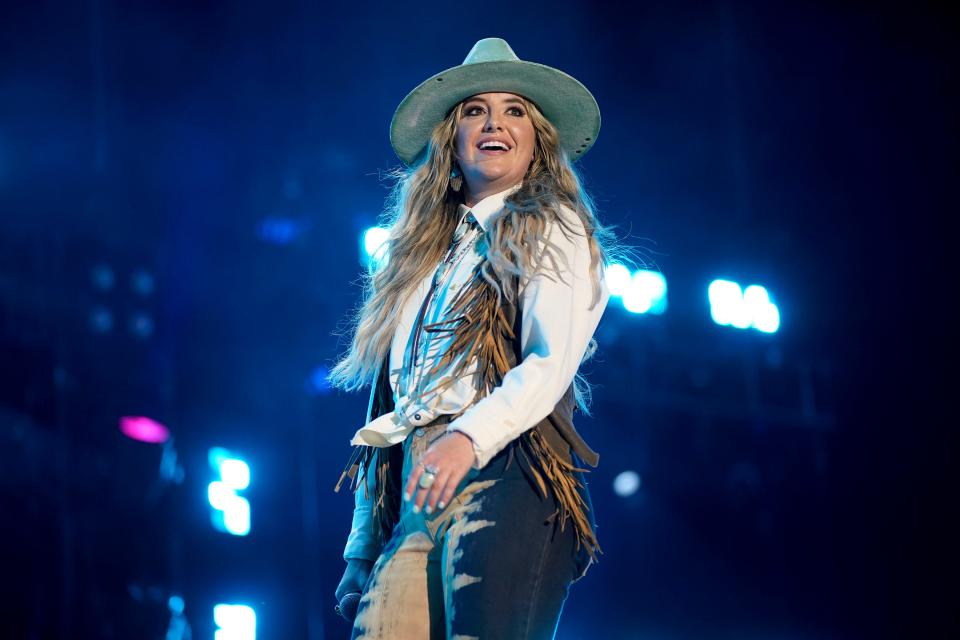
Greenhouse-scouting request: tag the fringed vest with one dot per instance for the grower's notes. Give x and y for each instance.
(550, 450)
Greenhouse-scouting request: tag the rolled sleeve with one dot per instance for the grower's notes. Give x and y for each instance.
(557, 325)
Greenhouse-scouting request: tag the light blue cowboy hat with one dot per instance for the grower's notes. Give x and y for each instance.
(493, 66)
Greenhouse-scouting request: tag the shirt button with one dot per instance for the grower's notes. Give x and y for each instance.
(418, 431)
(416, 416)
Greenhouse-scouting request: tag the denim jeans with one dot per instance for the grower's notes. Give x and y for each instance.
(487, 566)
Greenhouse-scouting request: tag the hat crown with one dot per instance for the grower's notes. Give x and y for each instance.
(490, 50)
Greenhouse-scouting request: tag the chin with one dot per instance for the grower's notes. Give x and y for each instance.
(494, 173)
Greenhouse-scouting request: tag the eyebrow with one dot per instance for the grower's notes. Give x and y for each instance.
(483, 100)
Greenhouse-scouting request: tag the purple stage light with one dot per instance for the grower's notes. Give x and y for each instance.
(144, 429)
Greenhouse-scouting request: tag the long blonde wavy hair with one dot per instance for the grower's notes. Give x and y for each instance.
(421, 214)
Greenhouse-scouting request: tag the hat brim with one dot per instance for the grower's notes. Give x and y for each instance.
(562, 99)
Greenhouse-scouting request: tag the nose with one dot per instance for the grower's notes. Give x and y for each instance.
(492, 123)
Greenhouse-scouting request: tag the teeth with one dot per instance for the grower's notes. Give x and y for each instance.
(494, 145)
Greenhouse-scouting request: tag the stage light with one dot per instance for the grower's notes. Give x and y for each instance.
(236, 516)
(279, 230)
(176, 604)
(653, 286)
(767, 319)
(230, 512)
(730, 305)
(726, 299)
(626, 483)
(375, 249)
(218, 494)
(140, 324)
(373, 240)
(102, 277)
(142, 282)
(618, 279)
(317, 383)
(764, 315)
(634, 301)
(100, 320)
(234, 622)
(235, 474)
(646, 293)
(144, 429)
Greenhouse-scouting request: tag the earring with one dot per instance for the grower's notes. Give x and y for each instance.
(456, 178)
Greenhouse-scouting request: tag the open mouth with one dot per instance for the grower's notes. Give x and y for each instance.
(494, 147)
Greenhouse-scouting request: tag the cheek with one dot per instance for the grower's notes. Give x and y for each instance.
(527, 139)
(463, 141)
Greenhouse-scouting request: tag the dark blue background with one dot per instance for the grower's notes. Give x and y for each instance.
(794, 485)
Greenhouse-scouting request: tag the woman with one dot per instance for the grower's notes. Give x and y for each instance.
(472, 517)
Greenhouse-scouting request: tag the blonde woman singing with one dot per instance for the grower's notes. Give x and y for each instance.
(472, 517)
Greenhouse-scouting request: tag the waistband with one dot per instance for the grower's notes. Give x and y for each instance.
(440, 421)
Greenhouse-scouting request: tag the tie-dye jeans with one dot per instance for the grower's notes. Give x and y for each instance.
(487, 566)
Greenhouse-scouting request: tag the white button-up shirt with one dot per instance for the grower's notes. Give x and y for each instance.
(557, 324)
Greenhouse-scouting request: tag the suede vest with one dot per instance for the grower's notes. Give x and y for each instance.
(551, 449)
(557, 428)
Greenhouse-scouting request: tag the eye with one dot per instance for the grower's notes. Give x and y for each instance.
(516, 111)
(473, 110)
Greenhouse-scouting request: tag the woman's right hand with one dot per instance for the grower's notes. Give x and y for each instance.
(354, 577)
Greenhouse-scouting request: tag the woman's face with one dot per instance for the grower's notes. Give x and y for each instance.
(495, 142)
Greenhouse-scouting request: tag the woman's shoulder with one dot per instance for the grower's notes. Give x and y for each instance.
(566, 223)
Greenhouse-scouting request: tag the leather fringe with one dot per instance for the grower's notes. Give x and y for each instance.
(479, 331)
(386, 489)
(547, 468)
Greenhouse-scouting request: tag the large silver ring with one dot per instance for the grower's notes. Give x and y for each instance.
(428, 477)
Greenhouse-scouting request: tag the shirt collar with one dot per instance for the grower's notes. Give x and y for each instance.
(486, 209)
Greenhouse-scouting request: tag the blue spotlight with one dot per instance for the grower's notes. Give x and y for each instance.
(100, 320)
(235, 622)
(646, 293)
(626, 483)
(102, 277)
(732, 306)
(279, 230)
(375, 249)
(317, 383)
(230, 512)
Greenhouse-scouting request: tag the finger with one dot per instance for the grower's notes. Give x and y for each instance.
(423, 494)
(418, 499)
(426, 494)
(450, 489)
(442, 493)
(412, 482)
(437, 489)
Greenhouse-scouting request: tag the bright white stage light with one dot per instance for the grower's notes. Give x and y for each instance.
(218, 494)
(743, 308)
(236, 516)
(230, 512)
(373, 241)
(618, 279)
(647, 292)
(235, 473)
(726, 299)
(767, 318)
(235, 622)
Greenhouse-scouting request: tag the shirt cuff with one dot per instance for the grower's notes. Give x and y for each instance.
(362, 543)
(482, 454)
